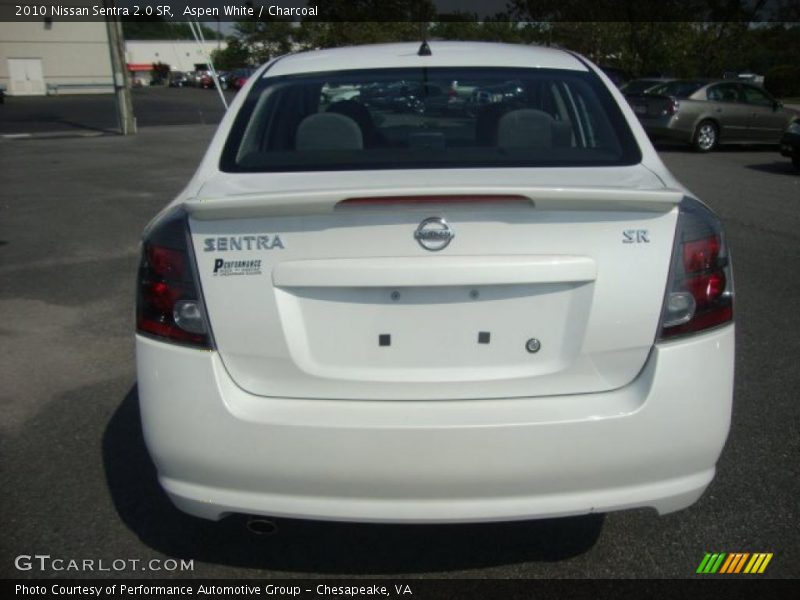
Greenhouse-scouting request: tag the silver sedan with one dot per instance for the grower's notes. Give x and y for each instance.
(708, 113)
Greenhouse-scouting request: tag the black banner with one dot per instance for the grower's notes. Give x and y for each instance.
(404, 10)
(374, 589)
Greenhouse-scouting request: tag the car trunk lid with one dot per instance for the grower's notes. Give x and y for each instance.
(539, 290)
(651, 106)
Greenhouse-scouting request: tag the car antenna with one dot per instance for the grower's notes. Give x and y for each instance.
(424, 49)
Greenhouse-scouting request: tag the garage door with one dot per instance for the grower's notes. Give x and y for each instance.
(26, 77)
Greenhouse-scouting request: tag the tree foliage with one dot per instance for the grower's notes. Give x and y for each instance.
(263, 40)
(638, 47)
(233, 56)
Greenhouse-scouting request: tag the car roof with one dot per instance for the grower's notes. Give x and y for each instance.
(443, 54)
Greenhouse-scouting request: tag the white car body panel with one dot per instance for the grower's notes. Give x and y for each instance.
(220, 450)
(596, 327)
(297, 412)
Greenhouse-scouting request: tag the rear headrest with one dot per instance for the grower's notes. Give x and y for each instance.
(361, 115)
(328, 131)
(525, 128)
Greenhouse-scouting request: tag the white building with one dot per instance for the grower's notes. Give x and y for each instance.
(56, 57)
(180, 55)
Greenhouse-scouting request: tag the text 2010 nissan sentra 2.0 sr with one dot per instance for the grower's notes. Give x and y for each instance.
(359, 313)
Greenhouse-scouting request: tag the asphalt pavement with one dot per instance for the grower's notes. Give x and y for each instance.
(77, 482)
(94, 114)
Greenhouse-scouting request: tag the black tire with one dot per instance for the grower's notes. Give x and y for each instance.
(796, 162)
(706, 136)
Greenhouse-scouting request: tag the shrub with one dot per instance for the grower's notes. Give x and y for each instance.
(783, 81)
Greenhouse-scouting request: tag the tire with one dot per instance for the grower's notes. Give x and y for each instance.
(796, 162)
(706, 136)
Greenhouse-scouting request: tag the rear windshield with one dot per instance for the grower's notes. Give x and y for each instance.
(639, 86)
(679, 89)
(428, 118)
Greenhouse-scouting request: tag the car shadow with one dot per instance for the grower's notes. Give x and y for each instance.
(316, 546)
(49, 122)
(670, 146)
(779, 167)
(661, 146)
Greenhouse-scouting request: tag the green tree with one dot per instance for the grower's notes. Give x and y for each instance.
(345, 33)
(233, 56)
(462, 26)
(160, 73)
(263, 40)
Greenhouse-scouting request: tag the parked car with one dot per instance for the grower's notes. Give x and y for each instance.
(507, 93)
(708, 113)
(790, 143)
(642, 86)
(239, 77)
(617, 76)
(420, 98)
(749, 77)
(206, 80)
(340, 93)
(224, 79)
(178, 79)
(384, 96)
(428, 325)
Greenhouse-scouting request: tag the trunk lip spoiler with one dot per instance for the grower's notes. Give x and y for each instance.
(308, 202)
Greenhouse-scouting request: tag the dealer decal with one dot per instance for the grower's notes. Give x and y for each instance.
(224, 268)
(242, 242)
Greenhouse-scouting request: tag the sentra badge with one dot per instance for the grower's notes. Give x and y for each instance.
(242, 242)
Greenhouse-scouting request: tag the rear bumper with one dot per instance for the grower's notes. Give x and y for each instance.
(790, 145)
(653, 443)
(668, 128)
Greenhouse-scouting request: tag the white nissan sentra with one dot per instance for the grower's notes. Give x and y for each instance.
(441, 283)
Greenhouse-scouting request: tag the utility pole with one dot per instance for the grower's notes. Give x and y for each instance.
(122, 89)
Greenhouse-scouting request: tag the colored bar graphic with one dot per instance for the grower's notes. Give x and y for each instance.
(741, 562)
(766, 562)
(711, 562)
(726, 566)
(758, 563)
(734, 562)
(718, 562)
(703, 563)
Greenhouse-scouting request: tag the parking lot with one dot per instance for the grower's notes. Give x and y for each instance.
(77, 481)
(96, 114)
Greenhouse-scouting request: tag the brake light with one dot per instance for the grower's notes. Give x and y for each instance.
(673, 104)
(169, 304)
(434, 199)
(700, 287)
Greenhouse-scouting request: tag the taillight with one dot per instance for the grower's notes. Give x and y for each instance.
(700, 287)
(673, 104)
(168, 303)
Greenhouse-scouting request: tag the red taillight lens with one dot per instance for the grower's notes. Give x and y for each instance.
(672, 107)
(168, 300)
(166, 263)
(700, 255)
(700, 289)
(706, 289)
